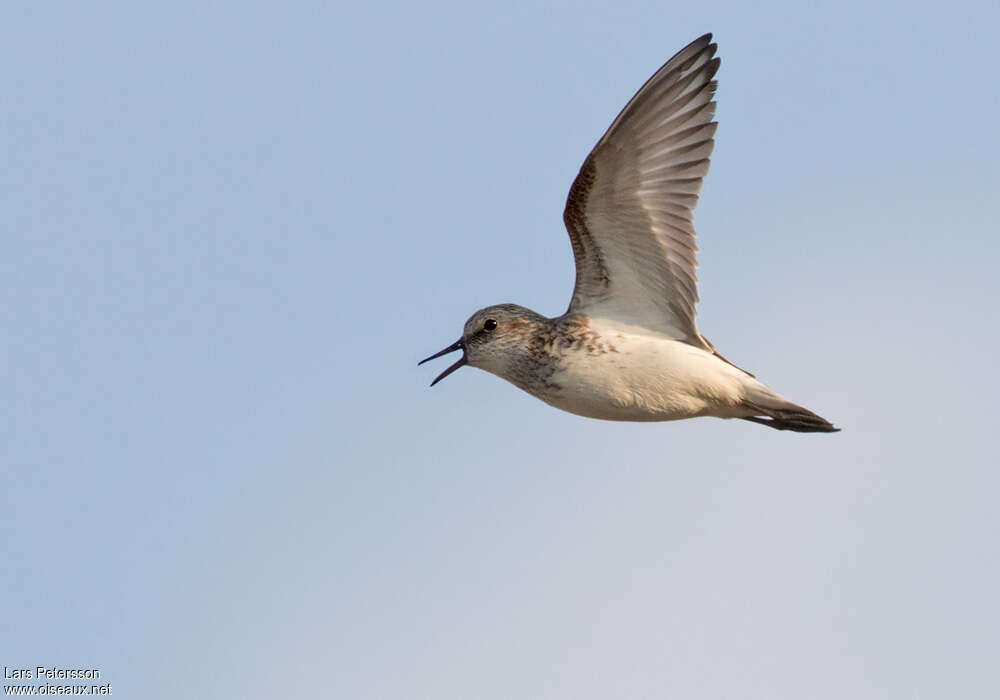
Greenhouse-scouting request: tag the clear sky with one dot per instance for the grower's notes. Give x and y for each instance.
(230, 230)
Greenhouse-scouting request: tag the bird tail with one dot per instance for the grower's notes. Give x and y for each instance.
(774, 411)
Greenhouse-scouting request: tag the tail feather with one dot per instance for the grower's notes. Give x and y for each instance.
(789, 417)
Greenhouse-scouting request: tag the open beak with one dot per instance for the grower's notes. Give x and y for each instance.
(458, 345)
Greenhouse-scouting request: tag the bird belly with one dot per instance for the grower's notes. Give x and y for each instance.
(646, 379)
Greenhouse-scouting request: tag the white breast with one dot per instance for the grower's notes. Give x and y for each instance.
(646, 377)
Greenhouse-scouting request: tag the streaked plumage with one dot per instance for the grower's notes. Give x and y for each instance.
(628, 347)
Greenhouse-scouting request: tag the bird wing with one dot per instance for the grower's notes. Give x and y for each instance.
(629, 211)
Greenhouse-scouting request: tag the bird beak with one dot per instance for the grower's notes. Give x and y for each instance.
(457, 345)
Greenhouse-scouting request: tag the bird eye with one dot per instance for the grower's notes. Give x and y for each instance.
(489, 325)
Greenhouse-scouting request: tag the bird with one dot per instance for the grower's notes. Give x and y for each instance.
(628, 348)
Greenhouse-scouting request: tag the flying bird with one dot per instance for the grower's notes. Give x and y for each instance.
(628, 348)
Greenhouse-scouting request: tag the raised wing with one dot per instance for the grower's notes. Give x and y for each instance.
(629, 211)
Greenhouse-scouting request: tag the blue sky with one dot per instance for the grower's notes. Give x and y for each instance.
(230, 230)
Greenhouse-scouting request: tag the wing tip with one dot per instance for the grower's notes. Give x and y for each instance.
(704, 42)
(698, 54)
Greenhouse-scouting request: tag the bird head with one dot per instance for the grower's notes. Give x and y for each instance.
(493, 339)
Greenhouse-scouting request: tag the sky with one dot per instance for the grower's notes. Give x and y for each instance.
(230, 230)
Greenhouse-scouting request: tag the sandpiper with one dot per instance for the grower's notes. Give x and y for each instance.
(627, 347)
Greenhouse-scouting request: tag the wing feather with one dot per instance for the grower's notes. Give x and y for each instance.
(630, 210)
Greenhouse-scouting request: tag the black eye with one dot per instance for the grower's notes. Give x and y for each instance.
(489, 325)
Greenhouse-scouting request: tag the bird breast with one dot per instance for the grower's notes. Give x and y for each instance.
(623, 375)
